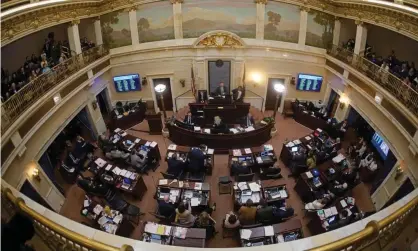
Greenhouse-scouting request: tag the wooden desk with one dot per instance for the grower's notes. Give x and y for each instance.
(151, 228)
(305, 118)
(195, 237)
(252, 162)
(126, 122)
(287, 227)
(229, 113)
(220, 142)
(257, 236)
(238, 193)
(184, 150)
(268, 191)
(137, 188)
(305, 188)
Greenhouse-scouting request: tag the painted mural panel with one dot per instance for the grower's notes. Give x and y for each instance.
(201, 16)
(282, 22)
(155, 22)
(115, 29)
(320, 29)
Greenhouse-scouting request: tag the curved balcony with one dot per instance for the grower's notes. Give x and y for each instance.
(18, 103)
(57, 231)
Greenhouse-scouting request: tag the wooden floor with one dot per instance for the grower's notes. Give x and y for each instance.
(287, 129)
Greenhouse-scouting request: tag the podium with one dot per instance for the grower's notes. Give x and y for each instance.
(155, 123)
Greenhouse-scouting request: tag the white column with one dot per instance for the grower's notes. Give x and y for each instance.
(361, 37)
(303, 26)
(337, 30)
(177, 19)
(74, 36)
(133, 24)
(98, 31)
(259, 23)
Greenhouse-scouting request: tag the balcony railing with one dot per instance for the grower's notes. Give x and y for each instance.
(14, 107)
(395, 86)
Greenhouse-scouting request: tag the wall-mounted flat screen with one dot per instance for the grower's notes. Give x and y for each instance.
(127, 83)
(381, 146)
(310, 83)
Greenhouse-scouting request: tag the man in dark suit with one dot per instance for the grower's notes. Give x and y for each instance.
(175, 166)
(238, 94)
(197, 160)
(249, 120)
(237, 169)
(221, 90)
(283, 211)
(189, 119)
(219, 126)
(264, 212)
(165, 208)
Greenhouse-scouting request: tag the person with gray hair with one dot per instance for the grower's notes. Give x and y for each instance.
(219, 126)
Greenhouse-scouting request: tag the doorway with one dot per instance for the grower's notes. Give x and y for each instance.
(103, 100)
(28, 190)
(167, 95)
(272, 94)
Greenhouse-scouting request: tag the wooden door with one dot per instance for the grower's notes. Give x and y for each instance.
(272, 94)
(167, 95)
(28, 190)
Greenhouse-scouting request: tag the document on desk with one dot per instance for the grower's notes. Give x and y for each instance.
(102, 220)
(181, 184)
(242, 186)
(197, 128)
(254, 187)
(236, 152)
(97, 209)
(334, 210)
(115, 141)
(123, 172)
(148, 143)
(198, 186)
(123, 134)
(170, 154)
(137, 141)
(233, 130)
(246, 234)
(297, 142)
(255, 197)
(163, 182)
(206, 130)
(319, 129)
(118, 218)
(308, 138)
(309, 175)
(117, 130)
(247, 150)
(290, 144)
(327, 212)
(259, 160)
(172, 147)
(195, 202)
(100, 162)
(268, 231)
(283, 193)
(116, 170)
(151, 228)
(128, 174)
(153, 144)
(108, 167)
(175, 192)
(337, 159)
(210, 151)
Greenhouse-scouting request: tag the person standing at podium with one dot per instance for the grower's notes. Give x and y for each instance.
(238, 94)
(221, 90)
(219, 126)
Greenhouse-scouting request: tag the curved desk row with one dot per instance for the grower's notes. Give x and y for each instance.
(128, 121)
(220, 142)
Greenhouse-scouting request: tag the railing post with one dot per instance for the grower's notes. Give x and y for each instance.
(126, 247)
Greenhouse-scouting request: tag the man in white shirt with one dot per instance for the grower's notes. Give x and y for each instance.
(367, 160)
(363, 148)
(221, 90)
(373, 166)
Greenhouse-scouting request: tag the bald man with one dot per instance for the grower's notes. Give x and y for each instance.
(165, 207)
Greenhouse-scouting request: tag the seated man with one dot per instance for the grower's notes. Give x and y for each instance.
(344, 220)
(221, 90)
(283, 212)
(338, 188)
(237, 169)
(329, 143)
(197, 160)
(189, 119)
(247, 213)
(264, 212)
(238, 94)
(72, 161)
(366, 161)
(80, 147)
(231, 220)
(165, 207)
(116, 154)
(373, 166)
(274, 170)
(248, 120)
(219, 126)
(362, 149)
(175, 166)
(135, 160)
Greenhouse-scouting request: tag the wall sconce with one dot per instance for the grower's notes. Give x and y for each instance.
(344, 100)
(256, 77)
(293, 81)
(35, 174)
(144, 81)
(183, 82)
(378, 98)
(399, 169)
(57, 98)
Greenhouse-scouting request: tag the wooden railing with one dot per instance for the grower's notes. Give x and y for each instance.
(395, 86)
(14, 107)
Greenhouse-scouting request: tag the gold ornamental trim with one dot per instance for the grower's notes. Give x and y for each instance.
(219, 39)
(176, 1)
(261, 1)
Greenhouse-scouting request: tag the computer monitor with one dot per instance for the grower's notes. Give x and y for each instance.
(294, 149)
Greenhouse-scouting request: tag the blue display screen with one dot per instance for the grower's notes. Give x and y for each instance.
(310, 83)
(127, 83)
(380, 145)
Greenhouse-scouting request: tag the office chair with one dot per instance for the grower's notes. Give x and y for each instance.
(251, 226)
(168, 176)
(132, 212)
(163, 219)
(244, 177)
(224, 185)
(196, 177)
(229, 232)
(266, 176)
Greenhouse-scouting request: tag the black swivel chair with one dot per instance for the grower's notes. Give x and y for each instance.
(168, 176)
(244, 177)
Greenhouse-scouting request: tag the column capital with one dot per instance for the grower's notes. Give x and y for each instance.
(176, 1)
(74, 22)
(337, 18)
(132, 8)
(304, 8)
(359, 22)
(96, 18)
(261, 1)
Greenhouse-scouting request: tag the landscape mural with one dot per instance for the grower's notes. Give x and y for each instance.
(115, 29)
(282, 22)
(201, 16)
(155, 22)
(320, 29)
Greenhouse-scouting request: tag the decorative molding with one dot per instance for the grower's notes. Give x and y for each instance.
(304, 8)
(75, 22)
(219, 39)
(176, 1)
(358, 22)
(261, 1)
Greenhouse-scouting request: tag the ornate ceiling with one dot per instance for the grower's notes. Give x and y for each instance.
(26, 22)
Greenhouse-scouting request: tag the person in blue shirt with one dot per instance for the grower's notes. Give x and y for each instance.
(175, 166)
(197, 159)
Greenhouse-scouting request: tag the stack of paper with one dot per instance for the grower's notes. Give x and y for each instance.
(268, 231)
(309, 175)
(118, 218)
(195, 202)
(116, 170)
(97, 209)
(297, 142)
(236, 152)
(246, 234)
(137, 141)
(198, 186)
(255, 197)
(343, 203)
(247, 150)
(207, 131)
(319, 130)
(283, 193)
(308, 138)
(117, 130)
(123, 134)
(151, 228)
(233, 130)
(170, 154)
(123, 172)
(172, 147)
(153, 144)
(100, 162)
(337, 159)
(163, 182)
(328, 212)
(254, 187)
(334, 210)
(108, 167)
(290, 144)
(243, 186)
(249, 129)
(197, 128)
(148, 143)
(180, 232)
(211, 151)
(259, 160)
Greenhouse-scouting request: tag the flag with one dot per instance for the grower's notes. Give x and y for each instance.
(193, 86)
(243, 80)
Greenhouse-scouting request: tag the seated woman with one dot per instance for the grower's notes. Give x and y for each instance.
(231, 220)
(183, 215)
(206, 221)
